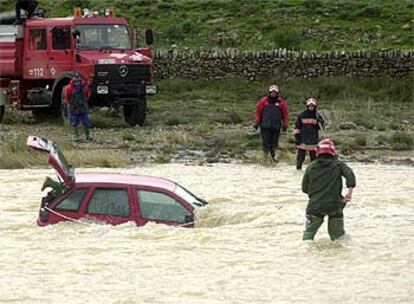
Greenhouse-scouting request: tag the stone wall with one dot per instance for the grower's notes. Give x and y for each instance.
(214, 64)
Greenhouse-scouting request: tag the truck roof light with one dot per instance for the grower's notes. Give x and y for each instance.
(109, 12)
(87, 13)
(77, 12)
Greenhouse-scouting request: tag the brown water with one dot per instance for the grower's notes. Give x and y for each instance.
(247, 247)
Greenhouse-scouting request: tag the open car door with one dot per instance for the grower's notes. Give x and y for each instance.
(56, 158)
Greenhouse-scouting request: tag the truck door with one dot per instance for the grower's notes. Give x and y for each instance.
(36, 55)
(60, 59)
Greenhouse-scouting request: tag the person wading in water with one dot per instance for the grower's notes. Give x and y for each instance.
(322, 182)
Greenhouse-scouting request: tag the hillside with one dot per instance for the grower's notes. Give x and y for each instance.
(262, 25)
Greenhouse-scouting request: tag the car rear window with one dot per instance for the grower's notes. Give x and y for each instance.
(159, 206)
(72, 201)
(109, 202)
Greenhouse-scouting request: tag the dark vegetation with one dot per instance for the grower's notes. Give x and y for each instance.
(321, 25)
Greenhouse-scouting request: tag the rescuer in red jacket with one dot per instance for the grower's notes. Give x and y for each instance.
(272, 115)
(77, 95)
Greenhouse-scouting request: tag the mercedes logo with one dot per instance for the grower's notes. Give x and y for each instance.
(123, 70)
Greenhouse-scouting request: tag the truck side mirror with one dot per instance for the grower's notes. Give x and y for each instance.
(189, 218)
(75, 34)
(149, 37)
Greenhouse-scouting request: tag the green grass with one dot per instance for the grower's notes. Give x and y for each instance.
(216, 117)
(321, 25)
(372, 103)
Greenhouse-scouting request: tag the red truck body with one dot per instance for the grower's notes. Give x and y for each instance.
(38, 59)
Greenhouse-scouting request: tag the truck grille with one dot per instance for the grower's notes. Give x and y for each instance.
(122, 72)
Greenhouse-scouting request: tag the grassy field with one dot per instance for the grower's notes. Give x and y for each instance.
(216, 118)
(321, 25)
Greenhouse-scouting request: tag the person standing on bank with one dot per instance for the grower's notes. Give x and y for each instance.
(322, 182)
(306, 132)
(3, 98)
(28, 6)
(77, 96)
(272, 114)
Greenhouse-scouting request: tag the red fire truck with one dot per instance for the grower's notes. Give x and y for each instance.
(38, 59)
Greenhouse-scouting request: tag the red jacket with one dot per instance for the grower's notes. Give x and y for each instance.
(281, 103)
(70, 88)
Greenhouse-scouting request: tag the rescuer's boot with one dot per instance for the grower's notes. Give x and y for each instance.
(76, 134)
(88, 134)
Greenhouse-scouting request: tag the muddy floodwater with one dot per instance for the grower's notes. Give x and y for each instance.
(246, 247)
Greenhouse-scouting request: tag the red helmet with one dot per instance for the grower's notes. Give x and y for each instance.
(325, 146)
(311, 102)
(274, 87)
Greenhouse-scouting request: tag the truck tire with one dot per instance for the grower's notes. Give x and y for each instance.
(135, 113)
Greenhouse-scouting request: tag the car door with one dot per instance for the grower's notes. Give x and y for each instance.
(61, 52)
(110, 204)
(66, 208)
(162, 206)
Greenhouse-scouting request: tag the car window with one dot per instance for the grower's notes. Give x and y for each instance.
(159, 206)
(72, 201)
(109, 202)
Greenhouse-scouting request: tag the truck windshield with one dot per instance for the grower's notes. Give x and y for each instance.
(103, 36)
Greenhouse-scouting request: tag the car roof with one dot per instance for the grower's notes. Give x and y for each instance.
(136, 180)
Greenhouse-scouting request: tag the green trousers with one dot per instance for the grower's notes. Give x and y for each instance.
(315, 221)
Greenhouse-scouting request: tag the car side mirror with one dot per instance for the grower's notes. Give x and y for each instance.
(44, 214)
(75, 34)
(189, 218)
(149, 37)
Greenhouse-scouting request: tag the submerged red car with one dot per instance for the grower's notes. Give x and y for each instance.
(111, 198)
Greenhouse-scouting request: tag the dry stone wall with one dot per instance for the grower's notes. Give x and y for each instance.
(217, 64)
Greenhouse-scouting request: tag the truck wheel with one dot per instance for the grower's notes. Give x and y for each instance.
(135, 113)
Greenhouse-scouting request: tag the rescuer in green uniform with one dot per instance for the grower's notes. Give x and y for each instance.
(322, 181)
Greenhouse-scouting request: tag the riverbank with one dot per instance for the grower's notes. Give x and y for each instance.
(211, 121)
(237, 143)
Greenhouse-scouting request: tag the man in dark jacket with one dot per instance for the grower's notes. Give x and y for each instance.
(272, 114)
(322, 182)
(306, 132)
(28, 6)
(77, 96)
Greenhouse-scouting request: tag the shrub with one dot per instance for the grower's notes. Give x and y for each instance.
(382, 126)
(381, 139)
(401, 141)
(360, 140)
(128, 136)
(345, 148)
(394, 125)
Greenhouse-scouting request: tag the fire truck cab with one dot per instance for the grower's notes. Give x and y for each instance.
(39, 58)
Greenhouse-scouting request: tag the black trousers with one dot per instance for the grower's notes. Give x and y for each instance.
(270, 140)
(2, 108)
(300, 158)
